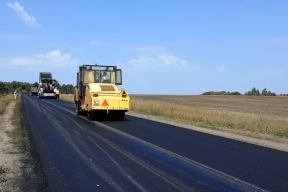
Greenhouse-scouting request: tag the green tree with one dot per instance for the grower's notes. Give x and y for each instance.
(235, 93)
(57, 84)
(35, 84)
(67, 89)
(3, 87)
(264, 92)
(253, 92)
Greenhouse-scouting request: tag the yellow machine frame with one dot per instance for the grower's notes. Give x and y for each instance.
(97, 99)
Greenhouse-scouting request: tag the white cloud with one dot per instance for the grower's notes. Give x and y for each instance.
(24, 16)
(184, 63)
(53, 59)
(96, 42)
(55, 55)
(216, 70)
(147, 62)
(221, 68)
(168, 59)
(142, 60)
(56, 59)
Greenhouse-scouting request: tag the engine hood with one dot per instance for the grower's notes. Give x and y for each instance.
(102, 88)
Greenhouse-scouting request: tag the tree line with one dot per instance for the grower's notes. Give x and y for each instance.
(256, 92)
(10, 87)
(221, 93)
(253, 92)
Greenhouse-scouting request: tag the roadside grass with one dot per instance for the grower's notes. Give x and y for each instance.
(248, 115)
(3, 171)
(4, 101)
(18, 135)
(67, 97)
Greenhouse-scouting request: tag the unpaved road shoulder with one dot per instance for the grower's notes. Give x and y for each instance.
(8, 156)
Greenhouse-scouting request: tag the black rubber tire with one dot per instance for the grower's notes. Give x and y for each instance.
(89, 115)
(77, 109)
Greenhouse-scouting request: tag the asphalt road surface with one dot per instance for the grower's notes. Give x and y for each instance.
(142, 155)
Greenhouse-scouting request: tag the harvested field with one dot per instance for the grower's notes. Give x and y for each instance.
(276, 106)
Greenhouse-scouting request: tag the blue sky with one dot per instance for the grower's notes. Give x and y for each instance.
(162, 46)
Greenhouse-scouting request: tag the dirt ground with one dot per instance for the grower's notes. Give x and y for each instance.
(24, 172)
(8, 159)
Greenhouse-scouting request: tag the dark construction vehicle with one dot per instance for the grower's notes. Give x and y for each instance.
(96, 93)
(34, 91)
(23, 90)
(46, 85)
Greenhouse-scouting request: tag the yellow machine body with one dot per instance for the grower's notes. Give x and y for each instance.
(98, 96)
(104, 97)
